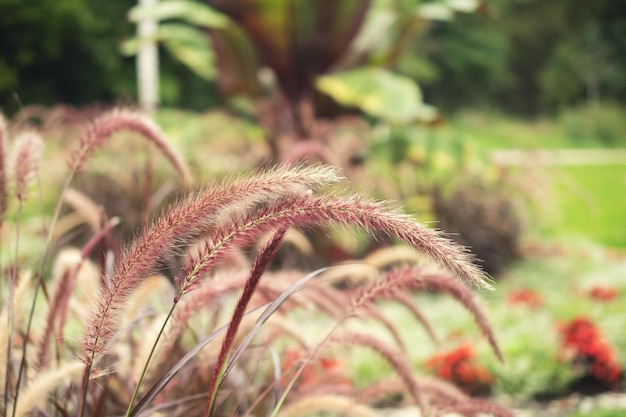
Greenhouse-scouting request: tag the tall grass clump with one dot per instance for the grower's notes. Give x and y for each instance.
(120, 336)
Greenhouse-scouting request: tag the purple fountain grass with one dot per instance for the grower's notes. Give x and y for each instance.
(400, 363)
(185, 221)
(261, 263)
(4, 203)
(373, 312)
(443, 396)
(476, 407)
(310, 211)
(409, 303)
(26, 155)
(380, 390)
(58, 305)
(391, 286)
(118, 120)
(24, 165)
(460, 292)
(324, 299)
(59, 302)
(416, 278)
(239, 213)
(200, 298)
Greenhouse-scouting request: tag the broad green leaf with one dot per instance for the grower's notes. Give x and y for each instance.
(191, 46)
(376, 91)
(192, 12)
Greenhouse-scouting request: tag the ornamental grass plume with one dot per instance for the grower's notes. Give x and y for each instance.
(105, 126)
(417, 279)
(130, 335)
(395, 358)
(21, 291)
(24, 161)
(190, 218)
(37, 390)
(326, 404)
(3, 176)
(237, 214)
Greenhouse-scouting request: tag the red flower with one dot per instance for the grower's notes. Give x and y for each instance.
(458, 367)
(605, 294)
(591, 349)
(525, 296)
(320, 371)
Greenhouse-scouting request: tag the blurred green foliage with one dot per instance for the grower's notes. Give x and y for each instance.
(69, 52)
(598, 125)
(521, 56)
(62, 51)
(525, 56)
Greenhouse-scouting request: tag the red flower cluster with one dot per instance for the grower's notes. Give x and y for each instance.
(525, 296)
(321, 370)
(590, 348)
(458, 367)
(604, 294)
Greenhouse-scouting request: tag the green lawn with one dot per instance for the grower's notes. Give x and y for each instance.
(592, 202)
(589, 201)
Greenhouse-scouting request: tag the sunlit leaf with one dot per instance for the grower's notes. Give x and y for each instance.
(465, 6)
(376, 91)
(435, 11)
(190, 11)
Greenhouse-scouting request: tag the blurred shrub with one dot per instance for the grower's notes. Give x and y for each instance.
(442, 171)
(602, 124)
(484, 219)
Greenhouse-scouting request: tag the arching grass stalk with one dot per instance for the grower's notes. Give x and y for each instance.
(131, 404)
(12, 279)
(317, 348)
(303, 365)
(390, 283)
(3, 209)
(263, 259)
(26, 156)
(261, 263)
(268, 310)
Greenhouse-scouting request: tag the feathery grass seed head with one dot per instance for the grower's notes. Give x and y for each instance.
(25, 159)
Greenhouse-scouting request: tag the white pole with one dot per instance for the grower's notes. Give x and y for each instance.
(148, 60)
